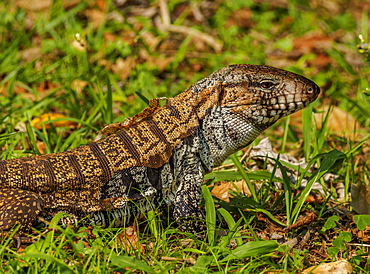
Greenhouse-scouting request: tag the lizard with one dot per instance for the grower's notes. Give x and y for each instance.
(157, 158)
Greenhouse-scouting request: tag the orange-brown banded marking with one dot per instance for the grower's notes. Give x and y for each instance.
(64, 174)
(131, 152)
(35, 177)
(76, 166)
(155, 159)
(102, 159)
(49, 172)
(25, 175)
(3, 170)
(89, 166)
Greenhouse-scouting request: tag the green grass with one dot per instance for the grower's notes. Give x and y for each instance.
(111, 68)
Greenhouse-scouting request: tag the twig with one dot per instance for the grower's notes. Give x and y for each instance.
(166, 21)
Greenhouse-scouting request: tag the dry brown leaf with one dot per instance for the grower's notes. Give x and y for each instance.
(340, 122)
(17, 89)
(312, 43)
(45, 86)
(174, 259)
(41, 147)
(78, 85)
(305, 219)
(30, 54)
(160, 63)
(96, 17)
(109, 37)
(79, 46)
(363, 235)
(123, 67)
(150, 40)
(34, 5)
(101, 4)
(339, 267)
(222, 189)
(70, 3)
(130, 240)
(321, 60)
(37, 122)
(241, 18)
(360, 198)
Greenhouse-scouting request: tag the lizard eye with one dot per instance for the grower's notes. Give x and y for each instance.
(267, 84)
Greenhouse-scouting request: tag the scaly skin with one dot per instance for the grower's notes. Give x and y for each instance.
(161, 155)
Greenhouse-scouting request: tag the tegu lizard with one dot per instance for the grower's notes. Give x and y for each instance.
(159, 157)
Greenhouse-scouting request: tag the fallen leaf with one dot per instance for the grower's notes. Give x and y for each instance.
(130, 240)
(338, 267)
(303, 220)
(158, 62)
(45, 86)
(364, 235)
(78, 85)
(101, 4)
(340, 122)
(34, 5)
(37, 122)
(312, 43)
(109, 37)
(80, 45)
(41, 147)
(291, 242)
(17, 89)
(360, 198)
(222, 189)
(96, 17)
(30, 54)
(123, 67)
(317, 43)
(241, 18)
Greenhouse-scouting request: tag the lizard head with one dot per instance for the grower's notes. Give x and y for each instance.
(264, 94)
(247, 99)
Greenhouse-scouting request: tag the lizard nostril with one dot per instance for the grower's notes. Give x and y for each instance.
(316, 89)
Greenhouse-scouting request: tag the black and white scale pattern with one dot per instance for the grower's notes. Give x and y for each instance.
(178, 182)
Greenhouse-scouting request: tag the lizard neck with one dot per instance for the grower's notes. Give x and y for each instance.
(226, 132)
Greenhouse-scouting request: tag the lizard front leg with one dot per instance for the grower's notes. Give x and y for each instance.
(188, 197)
(19, 206)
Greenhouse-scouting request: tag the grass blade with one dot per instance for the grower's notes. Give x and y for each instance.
(210, 214)
(250, 249)
(109, 102)
(239, 166)
(232, 226)
(287, 190)
(130, 262)
(306, 124)
(330, 160)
